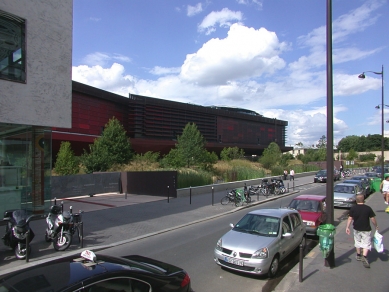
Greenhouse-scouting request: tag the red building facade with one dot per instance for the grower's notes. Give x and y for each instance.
(153, 124)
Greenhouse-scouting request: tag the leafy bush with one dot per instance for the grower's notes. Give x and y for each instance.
(112, 147)
(189, 178)
(66, 163)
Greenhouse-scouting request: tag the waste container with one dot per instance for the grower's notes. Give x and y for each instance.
(375, 184)
(326, 233)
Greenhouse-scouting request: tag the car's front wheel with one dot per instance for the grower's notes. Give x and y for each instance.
(274, 266)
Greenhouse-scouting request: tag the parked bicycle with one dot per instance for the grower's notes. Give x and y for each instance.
(242, 197)
(229, 198)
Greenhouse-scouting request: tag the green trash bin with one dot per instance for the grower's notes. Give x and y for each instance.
(375, 184)
(326, 233)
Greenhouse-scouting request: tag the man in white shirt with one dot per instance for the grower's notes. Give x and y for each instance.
(291, 174)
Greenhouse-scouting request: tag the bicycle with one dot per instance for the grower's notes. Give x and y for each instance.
(241, 198)
(229, 198)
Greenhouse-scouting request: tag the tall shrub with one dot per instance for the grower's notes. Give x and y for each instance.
(66, 163)
(112, 147)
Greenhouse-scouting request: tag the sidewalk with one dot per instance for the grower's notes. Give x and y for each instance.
(114, 219)
(348, 273)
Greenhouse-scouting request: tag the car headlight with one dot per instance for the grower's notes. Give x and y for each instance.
(350, 199)
(261, 253)
(310, 223)
(219, 245)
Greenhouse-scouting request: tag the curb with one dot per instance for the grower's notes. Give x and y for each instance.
(102, 247)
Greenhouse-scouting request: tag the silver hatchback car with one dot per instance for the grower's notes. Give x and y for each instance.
(260, 240)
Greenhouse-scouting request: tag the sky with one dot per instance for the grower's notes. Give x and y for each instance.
(268, 56)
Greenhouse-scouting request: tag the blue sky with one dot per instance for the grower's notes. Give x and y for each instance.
(264, 55)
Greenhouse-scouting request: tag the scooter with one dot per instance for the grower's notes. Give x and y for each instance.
(16, 232)
(58, 229)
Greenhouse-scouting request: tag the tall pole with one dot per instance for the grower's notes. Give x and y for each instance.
(330, 260)
(382, 128)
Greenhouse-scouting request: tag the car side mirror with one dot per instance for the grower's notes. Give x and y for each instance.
(287, 234)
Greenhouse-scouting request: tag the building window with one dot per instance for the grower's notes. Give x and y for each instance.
(12, 47)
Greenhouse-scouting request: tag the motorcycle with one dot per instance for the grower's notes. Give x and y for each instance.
(16, 232)
(61, 226)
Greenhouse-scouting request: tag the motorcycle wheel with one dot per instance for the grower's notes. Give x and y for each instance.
(21, 253)
(61, 244)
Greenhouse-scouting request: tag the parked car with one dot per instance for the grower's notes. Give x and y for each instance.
(371, 174)
(312, 209)
(365, 182)
(91, 272)
(320, 176)
(260, 241)
(345, 194)
(360, 184)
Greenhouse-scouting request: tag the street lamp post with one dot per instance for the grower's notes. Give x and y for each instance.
(362, 76)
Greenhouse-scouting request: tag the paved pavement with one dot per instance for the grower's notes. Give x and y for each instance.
(113, 219)
(348, 273)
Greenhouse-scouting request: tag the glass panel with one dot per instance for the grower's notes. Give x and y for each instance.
(25, 168)
(12, 47)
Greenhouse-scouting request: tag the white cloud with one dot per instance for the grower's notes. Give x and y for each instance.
(244, 53)
(104, 59)
(193, 10)
(256, 3)
(94, 19)
(157, 70)
(225, 18)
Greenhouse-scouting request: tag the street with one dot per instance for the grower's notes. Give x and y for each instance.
(192, 248)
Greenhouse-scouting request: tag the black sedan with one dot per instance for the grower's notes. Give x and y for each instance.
(365, 182)
(89, 272)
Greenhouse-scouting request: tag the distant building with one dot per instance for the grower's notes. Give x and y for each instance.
(36, 94)
(153, 124)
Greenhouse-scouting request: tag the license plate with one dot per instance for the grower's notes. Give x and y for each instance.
(234, 261)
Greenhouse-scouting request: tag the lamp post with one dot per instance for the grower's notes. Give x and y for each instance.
(362, 76)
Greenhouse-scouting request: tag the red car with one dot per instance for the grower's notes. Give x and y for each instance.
(312, 209)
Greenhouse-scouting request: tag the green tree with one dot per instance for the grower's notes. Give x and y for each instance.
(322, 143)
(285, 159)
(66, 163)
(230, 153)
(271, 156)
(191, 145)
(189, 150)
(352, 154)
(112, 147)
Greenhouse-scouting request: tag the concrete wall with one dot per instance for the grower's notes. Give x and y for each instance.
(46, 97)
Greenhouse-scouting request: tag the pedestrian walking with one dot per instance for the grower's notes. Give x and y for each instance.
(384, 187)
(285, 174)
(291, 174)
(361, 214)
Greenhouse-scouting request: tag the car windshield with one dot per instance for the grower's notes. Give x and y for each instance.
(322, 173)
(259, 224)
(344, 189)
(305, 205)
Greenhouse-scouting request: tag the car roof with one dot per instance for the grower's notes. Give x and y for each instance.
(345, 184)
(352, 181)
(71, 272)
(310, 197)
(273, 212)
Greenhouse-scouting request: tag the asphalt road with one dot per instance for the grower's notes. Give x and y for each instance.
(192, 248)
